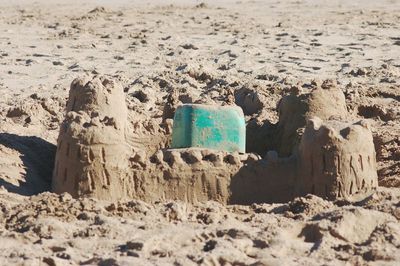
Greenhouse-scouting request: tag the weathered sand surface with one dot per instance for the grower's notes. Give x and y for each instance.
(251, 52)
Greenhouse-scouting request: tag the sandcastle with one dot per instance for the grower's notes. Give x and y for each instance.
(312, 149)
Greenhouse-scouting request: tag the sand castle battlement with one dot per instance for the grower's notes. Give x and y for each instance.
(331, 159)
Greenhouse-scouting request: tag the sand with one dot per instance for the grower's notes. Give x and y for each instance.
(251, 53)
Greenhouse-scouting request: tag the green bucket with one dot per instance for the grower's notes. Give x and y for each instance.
(207, 126)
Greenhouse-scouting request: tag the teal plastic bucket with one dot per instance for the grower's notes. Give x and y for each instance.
(207, 126)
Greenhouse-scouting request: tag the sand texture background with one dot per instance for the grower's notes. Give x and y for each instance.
(211, 52)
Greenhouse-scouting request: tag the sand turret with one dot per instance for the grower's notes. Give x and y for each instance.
(92, 155)
(336, 159)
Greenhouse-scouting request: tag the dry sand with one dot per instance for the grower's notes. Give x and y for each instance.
(207, 53)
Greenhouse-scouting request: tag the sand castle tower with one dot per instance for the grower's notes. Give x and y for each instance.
(92, 155)
(336, 160)
(325, 101)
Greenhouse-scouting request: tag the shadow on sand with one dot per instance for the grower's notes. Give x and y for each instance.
(37, 156)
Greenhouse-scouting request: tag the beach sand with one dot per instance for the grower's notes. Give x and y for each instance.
(206, 51)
